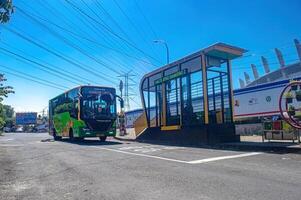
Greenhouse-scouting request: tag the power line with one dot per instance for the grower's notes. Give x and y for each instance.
(69, 43)
(65, 58)
(47, 71)
(126, 95)
(257, 63)
(26, 78)
(270, 64)
(146, 19)
(133, 25)
(34, 77)
(87, 24)
(100, 7)
(111, 32)
(66, 75)
(267, 52)
(74, 34)
(57, 26)
(137, 103)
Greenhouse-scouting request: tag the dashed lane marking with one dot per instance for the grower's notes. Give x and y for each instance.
(206, 160)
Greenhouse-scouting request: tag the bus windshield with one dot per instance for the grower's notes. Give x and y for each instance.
(98, 103)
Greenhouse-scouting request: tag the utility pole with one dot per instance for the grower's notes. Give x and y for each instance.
(167, 49)
(43, 113)
(126, 86)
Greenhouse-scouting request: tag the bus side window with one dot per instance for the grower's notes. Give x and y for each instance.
(74, 110)
(73, 100)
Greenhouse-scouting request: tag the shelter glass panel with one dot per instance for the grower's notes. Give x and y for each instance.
(154, 78)
(171, 70)
(197, 99)
(172, 102)
(186, 100)
(219, 98)
(192, 65)
(159, 105)
(145, 97)
(152, 106)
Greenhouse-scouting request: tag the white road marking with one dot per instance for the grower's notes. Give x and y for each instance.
(142, 155)
(206, 160)
(148, 148)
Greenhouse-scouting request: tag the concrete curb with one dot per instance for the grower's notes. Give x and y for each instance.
(125, 139)
(261, 147)
(266, 147)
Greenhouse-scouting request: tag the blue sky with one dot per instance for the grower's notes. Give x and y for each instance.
(187, 26)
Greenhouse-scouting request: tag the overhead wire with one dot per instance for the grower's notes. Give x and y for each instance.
(257, 61)
(100, 7)
(113, 62)
(30, 79)
(34, 77)
(69, 43)
(69, 76)
(102, 24)
(270, 64)
(59, 55)
(139, 31)
(75, 34)
(146, 20)
(86, 24)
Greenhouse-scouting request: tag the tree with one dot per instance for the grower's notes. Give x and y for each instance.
(4, 90)
(6, 9)
(6, 112)
(6, 116)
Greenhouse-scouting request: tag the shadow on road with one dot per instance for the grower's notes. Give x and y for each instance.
(84, 142)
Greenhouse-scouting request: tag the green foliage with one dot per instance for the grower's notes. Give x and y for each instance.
(6, 9)
(4, 90)
(298, 114)
(288, 95)
(6, 116)
(6, 112)
(2, 123)
(291, 108)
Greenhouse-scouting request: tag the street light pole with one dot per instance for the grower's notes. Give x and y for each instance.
(166, 46)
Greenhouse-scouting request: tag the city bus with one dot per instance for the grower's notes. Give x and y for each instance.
(84, 111)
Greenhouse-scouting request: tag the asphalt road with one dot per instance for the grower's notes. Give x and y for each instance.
(32, 166)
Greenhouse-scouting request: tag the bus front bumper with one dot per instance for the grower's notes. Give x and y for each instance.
(89, 133)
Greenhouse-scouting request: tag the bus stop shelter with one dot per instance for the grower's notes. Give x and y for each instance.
(191, 100)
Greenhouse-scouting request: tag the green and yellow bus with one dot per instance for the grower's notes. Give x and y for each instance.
(84, 111)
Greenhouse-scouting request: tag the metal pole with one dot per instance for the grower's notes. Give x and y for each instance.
(167, 52)
(166, 46)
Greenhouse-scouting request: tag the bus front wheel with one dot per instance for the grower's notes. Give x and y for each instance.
(71, 137)
(103, 138)
(55, 137)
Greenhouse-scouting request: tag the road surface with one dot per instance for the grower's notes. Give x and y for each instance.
(33, 166)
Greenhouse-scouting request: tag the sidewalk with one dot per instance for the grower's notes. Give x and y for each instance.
(255, 143)
(130, 136)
